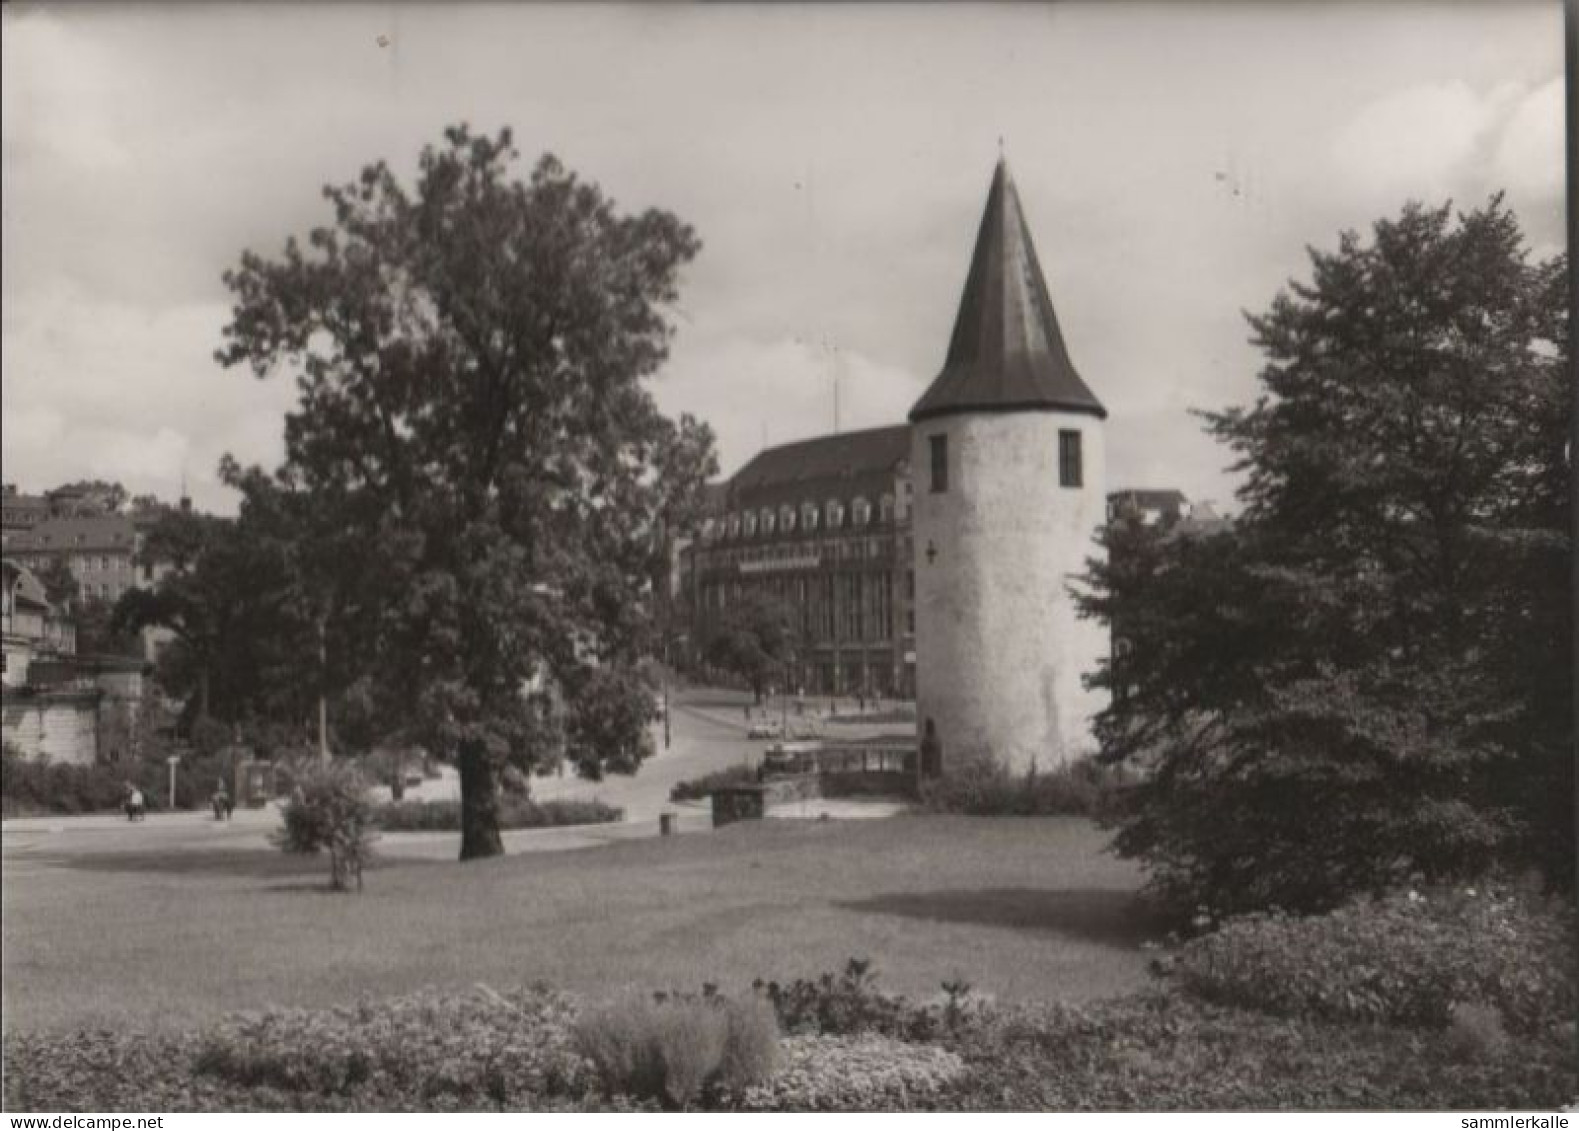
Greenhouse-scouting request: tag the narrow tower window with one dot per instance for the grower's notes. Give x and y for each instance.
(939, 463)
(1069, 459)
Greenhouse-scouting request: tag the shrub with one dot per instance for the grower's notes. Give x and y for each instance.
(477, 1048)
(329, 809)
(37, 785)
(675, 1048)
(751, 1046)
(1173, 1052)
(867, 1072)
(983, 787)
(482, 1050)
(514, 813)
(1476, 1032)
(697, 788)
(842, 1004)
(1403, 959)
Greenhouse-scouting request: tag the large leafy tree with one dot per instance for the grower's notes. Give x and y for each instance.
(470, 355)
(756, 638)
(1368, 678)
(225, 592)
(61, 587)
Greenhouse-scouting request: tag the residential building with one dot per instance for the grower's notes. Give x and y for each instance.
(101, 551)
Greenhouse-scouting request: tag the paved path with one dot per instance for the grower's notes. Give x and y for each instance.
(707, 733)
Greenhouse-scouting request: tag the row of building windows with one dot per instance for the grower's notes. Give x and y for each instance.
(804, 554)
(847, 607)
(48, 539)
(84, 563)
(1070, 464)
(785, 519)
(103, 563)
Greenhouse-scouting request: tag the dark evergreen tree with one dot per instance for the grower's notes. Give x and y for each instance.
(1368, 678)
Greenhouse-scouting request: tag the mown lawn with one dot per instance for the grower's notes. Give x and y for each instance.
(1028, 909)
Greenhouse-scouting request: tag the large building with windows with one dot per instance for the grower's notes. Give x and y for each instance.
(822, 525)
(933, 559)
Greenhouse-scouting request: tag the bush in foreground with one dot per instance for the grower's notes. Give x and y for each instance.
(702, 787)
(1172, 1052)
(1406, 959)
(671, 1050)
(987, 789)
(856, 1073)
(461, 1052)
(474, 1047)
(526, 1050)
(514, 813)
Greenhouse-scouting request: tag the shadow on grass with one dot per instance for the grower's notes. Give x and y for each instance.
(249, 863)
(1115, 918)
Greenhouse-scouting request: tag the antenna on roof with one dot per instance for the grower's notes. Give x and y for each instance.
(831, 351)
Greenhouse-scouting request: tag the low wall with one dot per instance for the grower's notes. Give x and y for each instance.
(754, 802)
(61, 726)
(860, 783)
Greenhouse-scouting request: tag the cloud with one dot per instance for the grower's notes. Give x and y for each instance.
(1529, 155)
(1174, 166)
(54, 104)
(97, 387)
(1417, 142)
(778, 390)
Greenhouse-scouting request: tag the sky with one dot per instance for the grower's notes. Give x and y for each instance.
(1174, 162)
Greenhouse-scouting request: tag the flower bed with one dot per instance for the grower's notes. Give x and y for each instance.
(852, 1047)
(859, 1073)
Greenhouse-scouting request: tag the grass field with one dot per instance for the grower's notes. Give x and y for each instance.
(1024, 908)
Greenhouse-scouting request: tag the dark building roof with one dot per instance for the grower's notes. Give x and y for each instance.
(840, 456)
(1006, 352)
(22, 510)
(61, 535)
(27, 588)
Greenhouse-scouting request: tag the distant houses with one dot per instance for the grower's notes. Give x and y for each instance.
(56, 704)
(81, 526)
(59, 703)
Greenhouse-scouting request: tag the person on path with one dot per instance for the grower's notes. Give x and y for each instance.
(931, 752)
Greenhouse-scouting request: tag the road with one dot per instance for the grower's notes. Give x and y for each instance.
(707, 733)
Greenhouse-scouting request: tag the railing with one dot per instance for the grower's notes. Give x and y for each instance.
(873, 758)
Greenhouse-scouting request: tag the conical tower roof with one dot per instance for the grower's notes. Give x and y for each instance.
(1007, 353)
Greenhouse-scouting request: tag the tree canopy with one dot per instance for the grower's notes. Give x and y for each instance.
(241, 651)
(1368, 677)
(755, 638)
(482, 470)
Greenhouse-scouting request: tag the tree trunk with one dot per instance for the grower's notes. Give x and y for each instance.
(479, 804)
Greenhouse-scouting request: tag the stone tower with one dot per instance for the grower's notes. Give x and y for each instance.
(1008, 473)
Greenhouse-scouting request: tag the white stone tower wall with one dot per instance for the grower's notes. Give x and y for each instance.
(1000, 649)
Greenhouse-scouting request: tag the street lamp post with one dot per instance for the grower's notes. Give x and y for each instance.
(172, 761)
(323, 697)
(666, 691)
